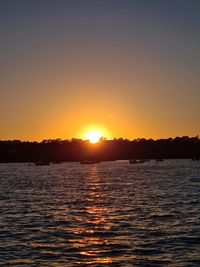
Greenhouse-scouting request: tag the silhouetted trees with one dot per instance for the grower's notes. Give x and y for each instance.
(77, 149)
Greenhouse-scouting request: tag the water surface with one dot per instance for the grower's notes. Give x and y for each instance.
(108, 214)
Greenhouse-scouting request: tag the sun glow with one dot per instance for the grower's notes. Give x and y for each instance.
(94, 133)
(93, 136)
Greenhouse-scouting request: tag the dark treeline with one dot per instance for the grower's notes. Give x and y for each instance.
(76, 149)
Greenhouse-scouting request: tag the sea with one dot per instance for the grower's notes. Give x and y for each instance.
(105, 214)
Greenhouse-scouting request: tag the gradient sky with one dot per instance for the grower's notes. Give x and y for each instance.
(130, 66)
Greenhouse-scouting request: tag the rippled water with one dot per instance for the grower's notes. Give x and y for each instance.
(108, 214)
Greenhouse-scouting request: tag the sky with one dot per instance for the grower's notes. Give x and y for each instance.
(128, 67)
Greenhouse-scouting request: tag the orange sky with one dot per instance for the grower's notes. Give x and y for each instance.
(128, 68)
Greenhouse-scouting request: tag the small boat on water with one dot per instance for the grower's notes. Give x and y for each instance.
(89, 161)
(159, 160)
(42, 163)
(136, 161)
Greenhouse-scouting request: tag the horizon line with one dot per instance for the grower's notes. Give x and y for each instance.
(101, 139)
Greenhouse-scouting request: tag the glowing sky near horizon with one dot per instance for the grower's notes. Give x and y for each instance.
(129, 66)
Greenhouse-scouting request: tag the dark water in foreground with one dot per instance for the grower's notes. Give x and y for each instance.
(108, 214)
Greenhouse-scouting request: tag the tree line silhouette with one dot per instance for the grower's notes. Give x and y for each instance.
(56, 150)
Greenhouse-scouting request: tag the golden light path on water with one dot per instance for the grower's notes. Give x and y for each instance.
(95, 220)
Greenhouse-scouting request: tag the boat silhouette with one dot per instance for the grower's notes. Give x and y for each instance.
(136, 161)
(41, 163)
(89, 161)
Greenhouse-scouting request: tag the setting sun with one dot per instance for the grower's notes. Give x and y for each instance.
(93, 136)
(94, 132)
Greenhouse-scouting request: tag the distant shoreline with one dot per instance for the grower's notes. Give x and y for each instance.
(117, 149)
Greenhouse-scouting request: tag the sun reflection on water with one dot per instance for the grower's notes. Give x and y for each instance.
(92, 225)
